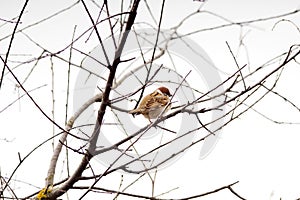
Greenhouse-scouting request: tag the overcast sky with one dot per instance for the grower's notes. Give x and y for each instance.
(262, 155)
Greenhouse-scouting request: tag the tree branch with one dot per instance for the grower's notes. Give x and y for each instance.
(104, 103)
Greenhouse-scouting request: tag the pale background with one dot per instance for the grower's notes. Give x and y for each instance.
(262, 155)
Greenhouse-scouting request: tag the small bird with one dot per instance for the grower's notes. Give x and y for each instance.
(152, 105)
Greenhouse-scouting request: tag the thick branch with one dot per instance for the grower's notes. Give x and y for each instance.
(62, 139)
(104, 103)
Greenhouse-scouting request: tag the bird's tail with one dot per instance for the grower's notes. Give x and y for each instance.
(135, 112)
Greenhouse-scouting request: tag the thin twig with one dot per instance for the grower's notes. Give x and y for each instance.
(97, 32)
(10, 104)
(240, 71)
(11, 41)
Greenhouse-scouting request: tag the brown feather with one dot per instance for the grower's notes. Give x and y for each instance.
(152, 102)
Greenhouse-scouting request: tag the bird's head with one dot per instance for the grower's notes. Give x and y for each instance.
(164, 91)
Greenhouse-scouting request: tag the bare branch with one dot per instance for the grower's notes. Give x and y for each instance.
(104, 103)
(11, 41)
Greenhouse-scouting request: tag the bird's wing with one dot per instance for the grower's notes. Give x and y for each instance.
(156, 102)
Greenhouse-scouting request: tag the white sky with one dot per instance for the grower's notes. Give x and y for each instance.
(261, 155)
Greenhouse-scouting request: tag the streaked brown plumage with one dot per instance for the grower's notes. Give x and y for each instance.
(152, 105)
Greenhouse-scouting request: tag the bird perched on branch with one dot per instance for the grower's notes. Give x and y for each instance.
(152, 105)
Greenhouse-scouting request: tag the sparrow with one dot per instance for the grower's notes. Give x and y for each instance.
(152, 105)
